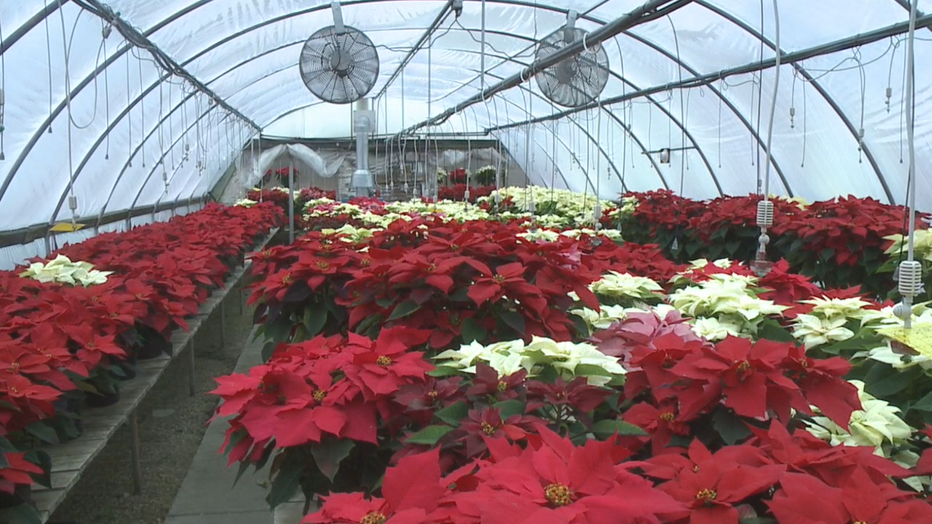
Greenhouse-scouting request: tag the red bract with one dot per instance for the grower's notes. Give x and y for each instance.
(17, 473)
(715, 485)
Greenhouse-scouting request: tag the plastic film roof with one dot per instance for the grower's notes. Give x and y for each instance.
(139, 136)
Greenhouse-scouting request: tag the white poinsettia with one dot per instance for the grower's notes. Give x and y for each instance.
(838, 307)
(815, 330)
(351, 234)
(896, 360)
(922, 245)
(570, 357)
(720, 295)
(884, 317)
(602, 319)
(64, 271)
(245, 202)
(877, 425)
(553, 207)
(623, 285)
(713, 329)
(567, 358)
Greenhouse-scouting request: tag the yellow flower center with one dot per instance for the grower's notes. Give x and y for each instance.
(319, 395)
(14, 367)
(287, 280)
(433, 393)
(498, 279)
(706, 495)
(365, 262)
(744, 366)
(667, 417)
(488, 428)
(558, 494)
(502, 386)
(322, 265)
(383, 361)
(373, 517)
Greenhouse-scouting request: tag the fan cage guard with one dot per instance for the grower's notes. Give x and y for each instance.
(339, 68)
(574, 81)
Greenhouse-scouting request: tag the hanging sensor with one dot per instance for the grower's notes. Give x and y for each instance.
(889, 94)
(664, 156)
(910, 282)
(764, 213)
(338, 27)
(107, 30)
(792, 117)
(458, 7)
(569, 30)
(72, 203)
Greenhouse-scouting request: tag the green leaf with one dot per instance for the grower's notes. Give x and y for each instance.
(590, 370)
(472, 331)
(330, 453)
(514, 320)
(889, 381)
(443, 371)
(286, 482)
(923, 404)
(732, 246)
(731, 428)
(510, 408)
(368, 323)
(243, 467)
(268, 349)
(22, 514)
(314, 320)
(43, 432)
(771, 330)
(429, 435)
(385, 302)
(404, 309)
(605, 429)
(453, 414)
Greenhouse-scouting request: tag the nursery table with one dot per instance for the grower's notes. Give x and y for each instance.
(69, 460)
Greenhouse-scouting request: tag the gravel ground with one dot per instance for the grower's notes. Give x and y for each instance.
(171, 426)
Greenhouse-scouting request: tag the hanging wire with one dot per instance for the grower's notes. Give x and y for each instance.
(72, 199)
(129, 114)
(48, 47)
(142, 130)
(106, 86)
(2, 96)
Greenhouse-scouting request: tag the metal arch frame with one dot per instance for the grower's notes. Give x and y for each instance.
(441, 17)
(33, 21)
(815, 84)
(160, 25)
(180, 137)
(140, 98)
(36, 19)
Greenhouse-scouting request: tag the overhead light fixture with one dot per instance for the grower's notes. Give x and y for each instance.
(664, 156)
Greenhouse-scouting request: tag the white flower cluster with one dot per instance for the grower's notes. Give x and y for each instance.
(877, 425)
(724, 304)
(245, 203)
(626, 286)
(569, 208)
(64, 271)
(567, 358)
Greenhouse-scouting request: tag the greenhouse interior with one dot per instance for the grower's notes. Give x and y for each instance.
(465, 262)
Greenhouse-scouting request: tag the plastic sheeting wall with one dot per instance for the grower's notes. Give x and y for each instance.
(132, 124)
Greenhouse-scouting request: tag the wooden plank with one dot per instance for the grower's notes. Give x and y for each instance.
(69, 460)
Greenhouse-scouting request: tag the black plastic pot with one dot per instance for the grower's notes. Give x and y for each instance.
(128, 367)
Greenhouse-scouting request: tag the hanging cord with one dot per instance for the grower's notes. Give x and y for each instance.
(129, 115)
(48, 47)
(910, 270)
(105, 33)
(72, 199)
(597, 208)
(142, 130)
(2, 96)
(765, 210)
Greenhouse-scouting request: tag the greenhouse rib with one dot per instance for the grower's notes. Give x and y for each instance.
(71, 459)
(441, 16)
(647, 12)
(816, 85)
(698, 81)
(135, 37)
(25, 28)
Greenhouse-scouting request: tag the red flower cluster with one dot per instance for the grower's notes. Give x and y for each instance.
(162, 272)
(836, 242)
(458, 192)
(478, 275)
